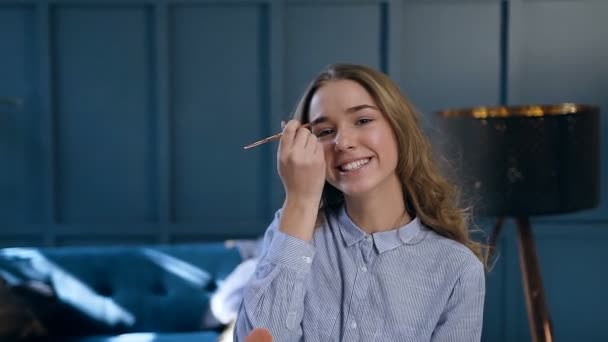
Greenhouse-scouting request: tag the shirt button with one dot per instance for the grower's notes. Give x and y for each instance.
(353, 325)
(363, 268)
(307, 259)
(368, 237)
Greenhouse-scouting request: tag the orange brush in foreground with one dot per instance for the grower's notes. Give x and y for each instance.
(259, 335)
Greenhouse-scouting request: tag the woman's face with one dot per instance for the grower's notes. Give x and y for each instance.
(361, 150)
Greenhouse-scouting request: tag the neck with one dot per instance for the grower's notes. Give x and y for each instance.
(378, 213)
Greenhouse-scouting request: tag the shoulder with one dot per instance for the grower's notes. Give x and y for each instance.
(452, 254)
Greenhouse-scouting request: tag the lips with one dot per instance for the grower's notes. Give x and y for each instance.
(354, 165)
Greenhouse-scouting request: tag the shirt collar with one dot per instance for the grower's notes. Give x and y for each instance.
(410, 234)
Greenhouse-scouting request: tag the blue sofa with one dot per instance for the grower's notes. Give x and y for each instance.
(157, 293)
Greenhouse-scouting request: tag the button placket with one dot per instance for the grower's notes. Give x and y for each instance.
(367, 249)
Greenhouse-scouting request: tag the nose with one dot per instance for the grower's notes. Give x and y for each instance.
(344, 141)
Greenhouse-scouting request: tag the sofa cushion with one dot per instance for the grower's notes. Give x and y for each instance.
(56, 298)
(137, 289)
(31, 308)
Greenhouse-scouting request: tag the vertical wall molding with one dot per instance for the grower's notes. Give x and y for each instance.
(162, 110)
(385, 36)
(265, 61)
(504, 52)
(47, 128)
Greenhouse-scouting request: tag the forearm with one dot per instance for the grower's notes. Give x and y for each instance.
(274, 297)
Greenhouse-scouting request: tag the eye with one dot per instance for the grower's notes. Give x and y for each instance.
(323, 132)
(363, 121)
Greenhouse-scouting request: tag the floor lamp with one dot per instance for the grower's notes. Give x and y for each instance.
(524, 161)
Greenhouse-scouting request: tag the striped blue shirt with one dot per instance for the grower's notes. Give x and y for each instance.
(407, 284)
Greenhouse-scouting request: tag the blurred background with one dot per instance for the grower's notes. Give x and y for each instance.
(123, 122)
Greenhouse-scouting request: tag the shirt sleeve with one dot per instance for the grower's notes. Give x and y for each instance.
(462, 318)
(274, 297)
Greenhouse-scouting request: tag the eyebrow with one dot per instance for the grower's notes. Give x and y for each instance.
(354, 109)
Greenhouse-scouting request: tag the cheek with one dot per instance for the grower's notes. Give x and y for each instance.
(386, 145)
(379, 141)
(394, 150)
(327, 152)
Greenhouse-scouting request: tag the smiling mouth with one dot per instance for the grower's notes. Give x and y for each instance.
(352, 166)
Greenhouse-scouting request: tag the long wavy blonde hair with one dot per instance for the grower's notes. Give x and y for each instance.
(428, 195)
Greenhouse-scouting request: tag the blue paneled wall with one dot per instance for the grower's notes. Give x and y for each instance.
(123, 121)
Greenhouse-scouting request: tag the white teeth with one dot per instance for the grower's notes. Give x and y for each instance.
(354, 165)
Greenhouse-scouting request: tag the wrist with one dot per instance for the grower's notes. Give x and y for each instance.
(302, 202)
(298, 217)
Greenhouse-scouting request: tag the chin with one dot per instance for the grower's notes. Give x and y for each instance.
(355, 190)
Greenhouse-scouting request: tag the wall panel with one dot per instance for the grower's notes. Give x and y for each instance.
(16, 239)
(450, 54)
(16, 84)
(102, 93)
(572, 257)
(568, 259)
(318, 34)
(219, 105)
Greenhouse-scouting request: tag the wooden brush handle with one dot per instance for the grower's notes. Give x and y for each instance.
(271, 138)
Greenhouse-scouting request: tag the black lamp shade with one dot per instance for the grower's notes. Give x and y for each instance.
(525, 160)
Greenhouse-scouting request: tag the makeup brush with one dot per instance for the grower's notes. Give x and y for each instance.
(272, 138)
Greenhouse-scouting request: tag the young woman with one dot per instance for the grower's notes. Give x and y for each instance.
(370, 244)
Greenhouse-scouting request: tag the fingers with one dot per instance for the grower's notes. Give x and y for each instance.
(301, 139)
(295, 135)
(289, 132)
(301, 162)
